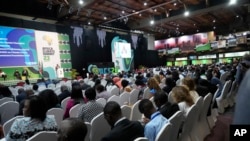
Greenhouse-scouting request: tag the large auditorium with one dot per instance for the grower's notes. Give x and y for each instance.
(124, 70)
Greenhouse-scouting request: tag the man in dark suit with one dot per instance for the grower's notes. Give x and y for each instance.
(164, 107)
(122, 128)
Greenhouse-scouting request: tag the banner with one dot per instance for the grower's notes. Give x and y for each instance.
(48, 52)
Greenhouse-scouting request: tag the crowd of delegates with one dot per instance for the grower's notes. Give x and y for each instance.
(183, 84)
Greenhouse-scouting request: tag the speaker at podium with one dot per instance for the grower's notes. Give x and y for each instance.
(60, 73)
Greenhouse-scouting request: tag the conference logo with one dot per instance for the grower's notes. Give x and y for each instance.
(48, 39)
(93, 68)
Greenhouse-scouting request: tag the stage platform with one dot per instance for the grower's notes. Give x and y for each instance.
(14, 82)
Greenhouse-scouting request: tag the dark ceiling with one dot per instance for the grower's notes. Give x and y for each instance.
(205, 15)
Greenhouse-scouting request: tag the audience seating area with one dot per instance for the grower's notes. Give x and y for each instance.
(195, 126)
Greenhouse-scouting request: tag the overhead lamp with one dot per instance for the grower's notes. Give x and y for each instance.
(105, 18)
(89, 23)
(123, 11)
(232, 2)
(152, 22)
(81, 2)
(145, 3)
(167, 14)
(186, 13)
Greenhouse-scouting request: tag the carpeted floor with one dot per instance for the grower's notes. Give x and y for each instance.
(221, 130)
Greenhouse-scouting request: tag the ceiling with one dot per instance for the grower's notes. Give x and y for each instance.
(134, 16)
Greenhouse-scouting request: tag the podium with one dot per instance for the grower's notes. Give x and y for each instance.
(60, 73)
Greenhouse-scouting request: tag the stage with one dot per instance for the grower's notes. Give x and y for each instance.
(14, 82)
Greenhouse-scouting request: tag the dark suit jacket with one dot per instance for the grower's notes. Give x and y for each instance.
(168, 109)
(125, 130)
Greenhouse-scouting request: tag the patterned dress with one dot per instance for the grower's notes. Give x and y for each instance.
(24, 128)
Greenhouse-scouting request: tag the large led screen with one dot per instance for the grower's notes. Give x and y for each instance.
(17, 47)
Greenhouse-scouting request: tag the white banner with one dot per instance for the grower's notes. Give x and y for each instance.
(48, 52)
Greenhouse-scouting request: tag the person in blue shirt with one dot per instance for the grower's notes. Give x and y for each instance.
(157, 120)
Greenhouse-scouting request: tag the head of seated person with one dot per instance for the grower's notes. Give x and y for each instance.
(72, 129)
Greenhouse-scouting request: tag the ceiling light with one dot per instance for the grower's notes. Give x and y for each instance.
(145, 4)
(167, 14)
(89, 23)
(186, 13)
(105, 18)
(175, 4)
(213, 21)
(214, 27)
(133, 11)
(123, 11)
(155, 10)
(197, 30)
(81, 2)
(140, 14)
(152, 22)
(231, 2)
(237, 16)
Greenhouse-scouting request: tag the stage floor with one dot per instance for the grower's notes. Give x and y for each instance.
(14, 82)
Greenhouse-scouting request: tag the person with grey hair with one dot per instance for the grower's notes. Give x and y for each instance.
(72, 129)
(64, 93)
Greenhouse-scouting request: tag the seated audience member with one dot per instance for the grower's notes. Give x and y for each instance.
(153, 86)
(242, 112)
(17, 75)
(83, 85)
(35, 89)
(50, 98)
(189, 82)
(181, 96)
(35, 120)
(5, 92)
(72, 129)
(97, 82)
(122, 129)
(64, 93)
(158, 78)
(21, 95)
(169, 84)
(92, 108)
(101, 92)
(3, 74)
(211, 77)
(27, 93)
(76, 97)
(125, 86)
(164, 107)
(157, 120)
